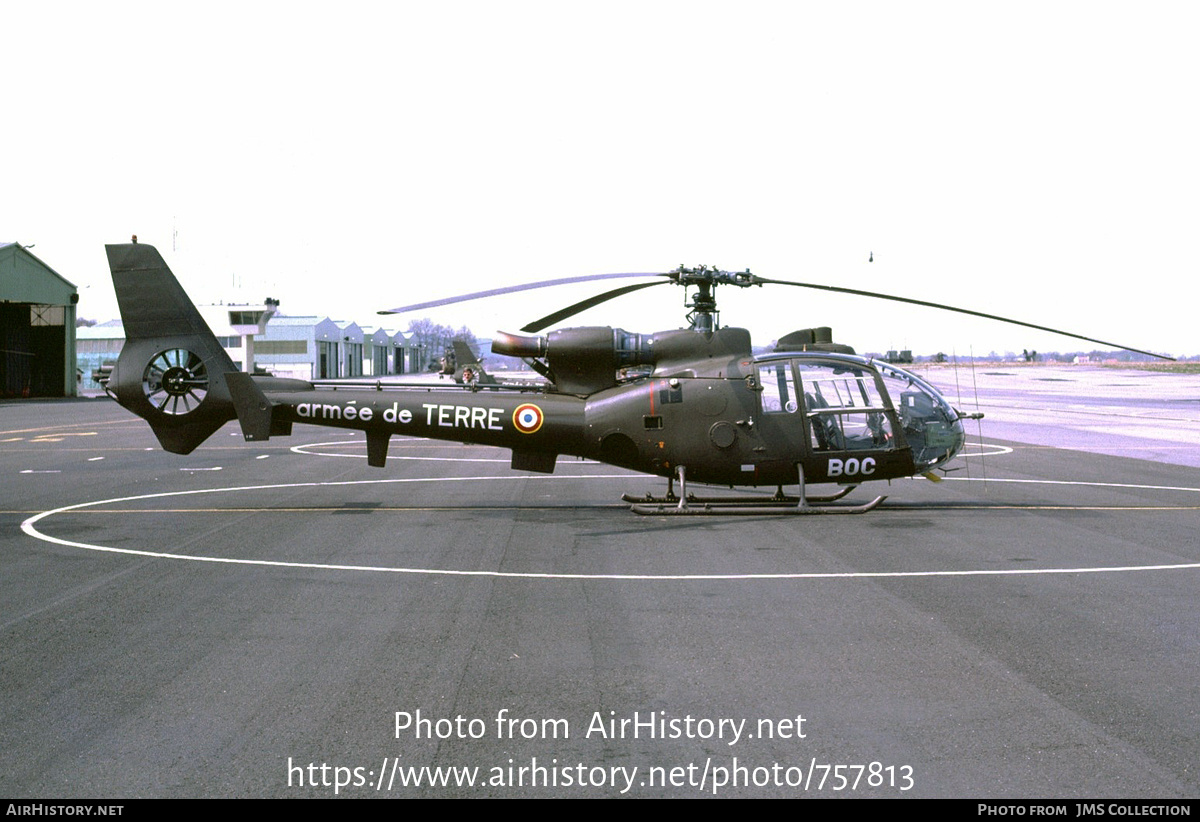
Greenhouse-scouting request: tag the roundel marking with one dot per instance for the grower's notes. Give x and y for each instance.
(528, 418)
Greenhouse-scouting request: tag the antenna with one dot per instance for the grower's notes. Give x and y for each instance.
(979, 422)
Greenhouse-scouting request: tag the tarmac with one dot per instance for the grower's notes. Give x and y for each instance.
(278, 619)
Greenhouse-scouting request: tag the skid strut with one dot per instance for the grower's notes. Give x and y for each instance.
(780, 503)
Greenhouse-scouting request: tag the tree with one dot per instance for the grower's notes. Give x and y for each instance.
(429, 334)
(436, 338)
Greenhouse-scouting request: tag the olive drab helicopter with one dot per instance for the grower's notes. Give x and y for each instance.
(691, 404)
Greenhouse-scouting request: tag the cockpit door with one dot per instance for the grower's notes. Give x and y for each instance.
(846, 408)
(781, 432)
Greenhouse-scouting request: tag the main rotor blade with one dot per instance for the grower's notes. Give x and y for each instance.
(495, 292)
(583, 305)
(910, 301)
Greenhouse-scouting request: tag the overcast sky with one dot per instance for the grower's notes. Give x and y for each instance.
(1036, 160)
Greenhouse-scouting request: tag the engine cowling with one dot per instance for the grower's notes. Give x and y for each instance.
(582, 360)
(586, 360)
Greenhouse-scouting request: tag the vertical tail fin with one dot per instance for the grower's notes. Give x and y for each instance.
(468, 368)
(172, 368)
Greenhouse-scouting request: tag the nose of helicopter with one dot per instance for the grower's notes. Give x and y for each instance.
(960, 438)
(932, 426)
(941, 441)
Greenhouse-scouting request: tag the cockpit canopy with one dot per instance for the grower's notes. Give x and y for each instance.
(855, 404)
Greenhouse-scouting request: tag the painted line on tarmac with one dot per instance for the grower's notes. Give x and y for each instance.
(29, 527)
(1077, 482)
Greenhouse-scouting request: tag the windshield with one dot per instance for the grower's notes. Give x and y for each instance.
(931, 425)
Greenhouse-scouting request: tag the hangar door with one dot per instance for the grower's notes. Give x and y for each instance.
(32, 349)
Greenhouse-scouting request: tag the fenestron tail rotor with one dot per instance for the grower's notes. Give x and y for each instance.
(175, 381)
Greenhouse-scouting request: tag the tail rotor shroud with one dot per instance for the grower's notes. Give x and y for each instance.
(176, 381)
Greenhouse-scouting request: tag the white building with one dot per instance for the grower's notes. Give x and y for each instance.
(306, 348)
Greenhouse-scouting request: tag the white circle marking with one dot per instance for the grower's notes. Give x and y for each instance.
(28, 526)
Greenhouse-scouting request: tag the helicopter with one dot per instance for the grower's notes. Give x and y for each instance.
(692, 405)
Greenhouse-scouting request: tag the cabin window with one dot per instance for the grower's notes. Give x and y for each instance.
(778, 388)
(845, 410)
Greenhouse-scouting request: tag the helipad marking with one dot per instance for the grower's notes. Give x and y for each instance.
(996, 450)
(59, 435)
(1078, 482)
(28, 526)
(68, 425)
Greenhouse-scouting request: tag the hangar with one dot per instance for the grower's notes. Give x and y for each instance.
(305, 348)
(37, 327)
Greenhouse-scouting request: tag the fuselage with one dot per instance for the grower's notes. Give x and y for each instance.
(845, 419)
(694, 399)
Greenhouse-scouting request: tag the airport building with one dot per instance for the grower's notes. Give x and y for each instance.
(313, 348)
(306, 348)
(37, 327)
(43, 354)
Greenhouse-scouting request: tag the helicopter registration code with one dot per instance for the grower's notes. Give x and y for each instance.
(851, 467)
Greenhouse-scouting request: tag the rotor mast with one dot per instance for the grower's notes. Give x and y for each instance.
(704, 316)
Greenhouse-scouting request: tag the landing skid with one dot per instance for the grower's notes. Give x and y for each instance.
(779, 499)
(780, 503)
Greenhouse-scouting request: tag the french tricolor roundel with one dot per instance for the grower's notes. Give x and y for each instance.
(527, 418)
